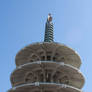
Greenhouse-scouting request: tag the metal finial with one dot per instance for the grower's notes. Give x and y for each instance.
(49, 17)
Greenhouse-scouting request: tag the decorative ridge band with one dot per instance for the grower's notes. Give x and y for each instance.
(41, 83)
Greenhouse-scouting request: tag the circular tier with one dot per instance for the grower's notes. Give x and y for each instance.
(48, 52)
(47, 71)
(44, 87)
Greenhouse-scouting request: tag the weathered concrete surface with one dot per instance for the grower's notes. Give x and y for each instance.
(56, 72)
(46, 52)
(47, 67)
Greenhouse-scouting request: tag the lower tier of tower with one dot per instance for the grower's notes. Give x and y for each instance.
(47, 71)
(44, 87)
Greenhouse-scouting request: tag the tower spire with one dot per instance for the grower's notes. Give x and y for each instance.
(48, 29)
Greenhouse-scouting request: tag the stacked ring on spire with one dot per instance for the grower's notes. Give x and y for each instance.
(48, 32)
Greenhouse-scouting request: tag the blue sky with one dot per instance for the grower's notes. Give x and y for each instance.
(22, 22)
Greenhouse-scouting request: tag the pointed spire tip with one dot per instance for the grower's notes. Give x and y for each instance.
(49, 17)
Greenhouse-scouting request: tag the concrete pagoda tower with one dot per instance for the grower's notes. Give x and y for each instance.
(47, 67)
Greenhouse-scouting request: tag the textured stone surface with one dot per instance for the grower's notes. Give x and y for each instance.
(47, 67)
(47, 52)
(56, 72)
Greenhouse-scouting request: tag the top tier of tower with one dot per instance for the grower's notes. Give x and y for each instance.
(48, 51)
